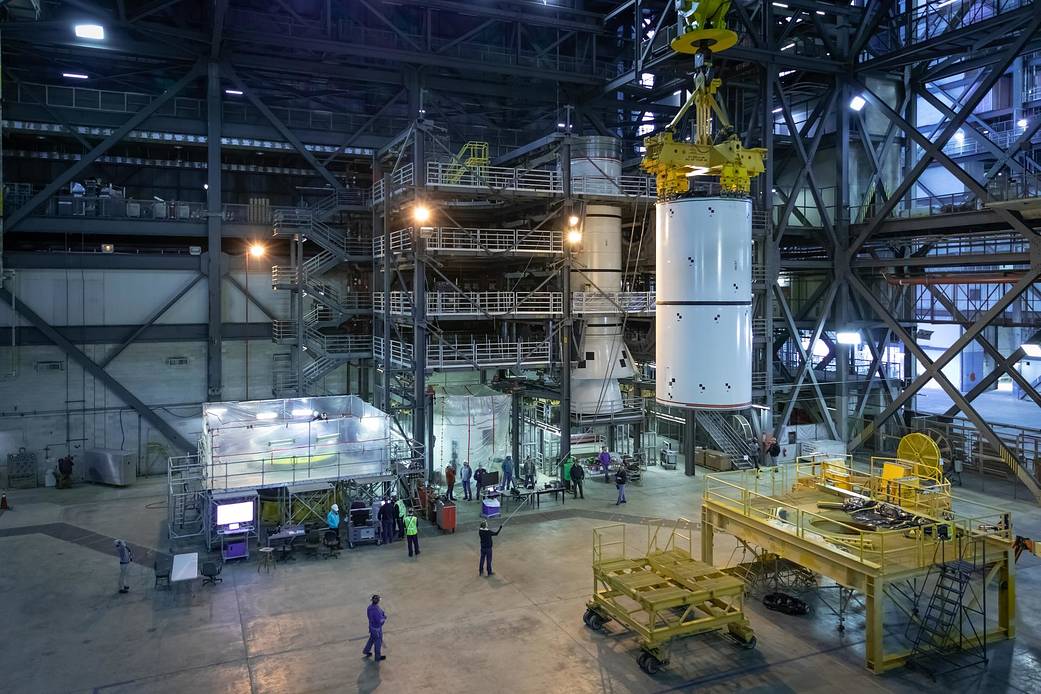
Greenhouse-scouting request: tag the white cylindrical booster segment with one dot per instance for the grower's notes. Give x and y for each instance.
(602, 356)
(703, 322)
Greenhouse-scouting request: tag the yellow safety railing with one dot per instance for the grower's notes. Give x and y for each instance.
(765, 496)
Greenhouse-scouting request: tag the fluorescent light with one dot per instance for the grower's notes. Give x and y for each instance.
(857, 102)
(785, 73)
(1022, 122)
(95, 32)
(848, 337)
(777, 110)
(303, 412)
(1031, 350)
(281, 442)
(75, 76)
(233, 92)
(321, 438)
(822, 13)
(561, 125)
(790, 45)
(267, 415)
(779, 4)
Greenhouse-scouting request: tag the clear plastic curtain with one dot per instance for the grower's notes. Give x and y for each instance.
(471, 422)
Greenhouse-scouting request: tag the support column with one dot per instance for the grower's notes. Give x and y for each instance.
(1007, 595)
(566, 332)
(874, 614)
(690, 430)
(515, 422)
(419, 350)
(299, 353)
(388, 362)
(214, 341)
(841, 225)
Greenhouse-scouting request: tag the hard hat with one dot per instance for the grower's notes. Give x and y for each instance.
(336, 508)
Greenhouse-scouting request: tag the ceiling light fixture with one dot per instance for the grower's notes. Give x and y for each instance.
(75, 75)
(94, 32)
(857, 102)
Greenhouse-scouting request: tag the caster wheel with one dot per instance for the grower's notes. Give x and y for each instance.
(596, 622)
(749, 644)
(650, 664)
(587, 616)
(641, 660)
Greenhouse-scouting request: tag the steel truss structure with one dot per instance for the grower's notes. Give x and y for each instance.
(351, 110)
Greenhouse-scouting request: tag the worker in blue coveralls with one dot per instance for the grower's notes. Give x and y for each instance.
(376, 619)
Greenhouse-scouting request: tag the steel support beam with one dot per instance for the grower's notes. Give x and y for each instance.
(88, 365)
(214, 270)
(150, 321)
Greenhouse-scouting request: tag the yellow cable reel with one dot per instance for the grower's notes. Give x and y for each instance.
(920, 449)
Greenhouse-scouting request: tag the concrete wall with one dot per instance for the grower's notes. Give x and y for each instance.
(56, 412)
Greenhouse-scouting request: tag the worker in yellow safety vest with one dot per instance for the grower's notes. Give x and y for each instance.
(412, 532)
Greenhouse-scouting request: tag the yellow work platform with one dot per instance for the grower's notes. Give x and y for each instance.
(796, 512)
(664, 593)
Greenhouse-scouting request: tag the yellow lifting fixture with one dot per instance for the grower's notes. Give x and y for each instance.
(702, 32)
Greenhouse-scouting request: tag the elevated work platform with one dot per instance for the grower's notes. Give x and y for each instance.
(872, 531)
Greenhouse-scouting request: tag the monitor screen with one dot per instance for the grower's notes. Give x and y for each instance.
(241, 512)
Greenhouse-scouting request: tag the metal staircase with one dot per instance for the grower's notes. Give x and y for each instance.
(735, 437)
(185, 476)
(953, 626)
(319, 303)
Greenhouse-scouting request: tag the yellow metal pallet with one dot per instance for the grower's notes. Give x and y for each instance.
(663, 595)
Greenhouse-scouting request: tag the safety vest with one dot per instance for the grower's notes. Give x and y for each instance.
(402, 509)
(410, 525)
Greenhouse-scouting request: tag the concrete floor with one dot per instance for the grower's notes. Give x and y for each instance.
(301, 627)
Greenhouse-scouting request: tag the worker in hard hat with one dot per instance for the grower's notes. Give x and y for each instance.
(386, 515)
(412, 532)
(376, 617)
(332, 519)
(399, 504)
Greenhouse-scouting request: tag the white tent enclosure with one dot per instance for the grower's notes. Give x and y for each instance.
(471, 422)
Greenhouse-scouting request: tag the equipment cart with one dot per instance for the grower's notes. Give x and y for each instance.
(662, 593)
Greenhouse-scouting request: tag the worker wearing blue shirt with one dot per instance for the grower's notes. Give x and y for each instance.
(376, 619)
(332, 519)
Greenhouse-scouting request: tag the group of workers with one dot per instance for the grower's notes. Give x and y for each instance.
(396, 521)
(474, 480)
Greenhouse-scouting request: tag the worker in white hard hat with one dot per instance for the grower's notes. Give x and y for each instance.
(332, 519)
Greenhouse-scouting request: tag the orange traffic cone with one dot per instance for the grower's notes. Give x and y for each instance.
(3, 503)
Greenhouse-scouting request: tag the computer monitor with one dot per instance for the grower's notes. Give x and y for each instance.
(239, 512)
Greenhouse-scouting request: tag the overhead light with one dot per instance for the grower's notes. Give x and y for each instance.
(303, 412)
(94, 32)
(327, 438)
(233, 92)
(257, 250)
(108, 248)
(785, 73)
(783, 279)
(574, 237)
(777, 110)
(75, 75)
(848, 337)
(561, 125)
(779, 4)
(822, 13)
(790, 45)
(1022, 122)
(421, 214)
(267, 414)
(959, 135)
(573, 220)
(205, 186)
(857, 102)
(1031, 350)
